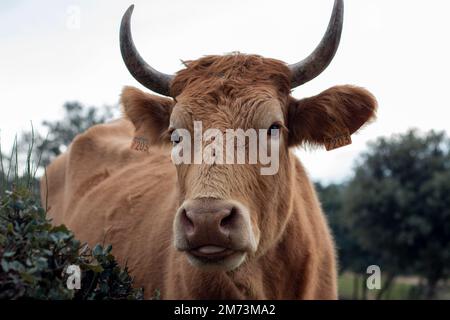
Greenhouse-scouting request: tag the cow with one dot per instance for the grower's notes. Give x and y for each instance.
(207, 230)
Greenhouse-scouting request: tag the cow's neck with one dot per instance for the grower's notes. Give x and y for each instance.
(265, 277)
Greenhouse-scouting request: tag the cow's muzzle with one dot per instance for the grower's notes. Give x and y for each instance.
(215, 234)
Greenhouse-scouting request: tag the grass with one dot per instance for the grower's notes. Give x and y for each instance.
(346, 282)
(10, 175)
(400, 289)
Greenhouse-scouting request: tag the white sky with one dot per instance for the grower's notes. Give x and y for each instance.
(398, 49)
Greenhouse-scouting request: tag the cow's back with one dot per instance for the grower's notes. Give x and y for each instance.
(107, 193)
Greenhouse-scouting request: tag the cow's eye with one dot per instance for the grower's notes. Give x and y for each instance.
(273, 127)
(175, 137)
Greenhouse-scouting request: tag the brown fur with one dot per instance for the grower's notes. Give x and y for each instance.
(103, 190)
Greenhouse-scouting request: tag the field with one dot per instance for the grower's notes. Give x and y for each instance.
(401, 289)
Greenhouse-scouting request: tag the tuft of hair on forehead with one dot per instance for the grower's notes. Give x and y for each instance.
(231, 74)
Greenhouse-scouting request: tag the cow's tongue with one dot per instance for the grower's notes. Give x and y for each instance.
(210, 249)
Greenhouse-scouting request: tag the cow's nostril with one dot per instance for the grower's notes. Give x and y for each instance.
(228, 221)
(186, 222)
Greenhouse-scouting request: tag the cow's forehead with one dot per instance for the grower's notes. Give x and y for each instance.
(230, 91)
(258, 112)
(232, 76)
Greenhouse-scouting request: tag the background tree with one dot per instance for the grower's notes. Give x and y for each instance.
(77, 118)
(398, 207)
(34, 151)
(352, 257)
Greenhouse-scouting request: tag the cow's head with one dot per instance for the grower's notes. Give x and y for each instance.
(230, 212)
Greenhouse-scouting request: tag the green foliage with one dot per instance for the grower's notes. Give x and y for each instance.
(11, 175)
(352, 257)
(398, 205)
(34, 256)
(395, 211)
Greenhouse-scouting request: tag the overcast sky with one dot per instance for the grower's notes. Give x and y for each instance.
(56, 51)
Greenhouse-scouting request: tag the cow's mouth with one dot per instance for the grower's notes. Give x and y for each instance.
(215, 257)
(211, 252)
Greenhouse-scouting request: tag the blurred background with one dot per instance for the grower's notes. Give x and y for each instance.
(387, 195)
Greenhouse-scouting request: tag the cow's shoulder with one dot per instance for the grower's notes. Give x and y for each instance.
(104, 150)
(99, 158)
(102, 139)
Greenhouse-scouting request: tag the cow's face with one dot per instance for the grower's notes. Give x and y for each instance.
(230, 212)
(227, 206)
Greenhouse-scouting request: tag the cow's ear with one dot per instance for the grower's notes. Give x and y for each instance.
(150, 115)
(331, 117)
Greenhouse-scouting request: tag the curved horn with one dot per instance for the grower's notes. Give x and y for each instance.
(141, 71)
(322, 56)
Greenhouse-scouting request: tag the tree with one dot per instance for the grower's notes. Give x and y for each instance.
(398, 206)
(352, 257)
(77, 119)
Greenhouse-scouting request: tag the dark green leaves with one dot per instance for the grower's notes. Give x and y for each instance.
(34, 256)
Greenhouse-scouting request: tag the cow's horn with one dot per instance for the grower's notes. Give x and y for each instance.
(141, 71)
(322, 56)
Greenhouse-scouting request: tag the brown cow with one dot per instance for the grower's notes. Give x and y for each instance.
(207, 231)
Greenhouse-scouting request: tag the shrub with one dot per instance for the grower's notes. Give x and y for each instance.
(34, 256)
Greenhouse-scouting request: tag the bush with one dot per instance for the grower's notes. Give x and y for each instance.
(34, 256)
